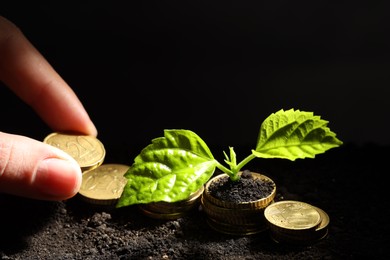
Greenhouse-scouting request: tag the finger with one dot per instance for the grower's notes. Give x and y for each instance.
(27, 73)
(33, 169)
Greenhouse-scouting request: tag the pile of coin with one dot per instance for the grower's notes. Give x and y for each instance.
(172, 210)
(102, 184)
(296, 222)
(288, 221)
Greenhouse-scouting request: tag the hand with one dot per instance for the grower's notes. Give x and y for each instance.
(28, 167)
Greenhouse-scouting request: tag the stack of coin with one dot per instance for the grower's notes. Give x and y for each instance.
(87, 150)
(296, 222)
(232, 218)
(172, 210)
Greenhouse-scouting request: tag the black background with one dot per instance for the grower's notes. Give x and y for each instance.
(218, 68)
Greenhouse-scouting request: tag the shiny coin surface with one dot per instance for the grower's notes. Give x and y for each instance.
(322, 229)
(87, 150)
(292, 216)
(104, 184)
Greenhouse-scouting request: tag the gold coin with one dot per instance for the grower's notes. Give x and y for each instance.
(173, 207)
(322, 229)
(164, 216)
(104, 184)
(87, 150)
(172, 210)
(292, 216)
(236, 229)
(300, 239)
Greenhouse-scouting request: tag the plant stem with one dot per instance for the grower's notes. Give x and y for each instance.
(245, 161)
(233, 172)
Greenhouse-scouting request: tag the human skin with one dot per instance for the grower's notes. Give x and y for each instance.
(28, 167)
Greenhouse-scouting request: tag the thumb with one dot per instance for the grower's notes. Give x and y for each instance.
(33, 169)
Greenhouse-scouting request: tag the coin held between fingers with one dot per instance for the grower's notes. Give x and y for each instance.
(87, 150)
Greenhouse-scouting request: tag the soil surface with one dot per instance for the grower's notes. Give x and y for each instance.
(245, 189)
(347, 182)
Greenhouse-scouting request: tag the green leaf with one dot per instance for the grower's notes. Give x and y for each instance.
(294, 134)
(169, 169)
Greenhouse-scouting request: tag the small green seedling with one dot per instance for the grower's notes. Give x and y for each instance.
(178, 164)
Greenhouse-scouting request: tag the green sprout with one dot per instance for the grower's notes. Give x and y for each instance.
(178, 164)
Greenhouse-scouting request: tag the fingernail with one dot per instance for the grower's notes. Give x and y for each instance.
(57, 178)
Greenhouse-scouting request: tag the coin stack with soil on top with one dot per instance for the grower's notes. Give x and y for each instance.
(102, 184)
(296, 223)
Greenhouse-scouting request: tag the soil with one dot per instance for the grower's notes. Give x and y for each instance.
(245, 189)
(348, 183)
